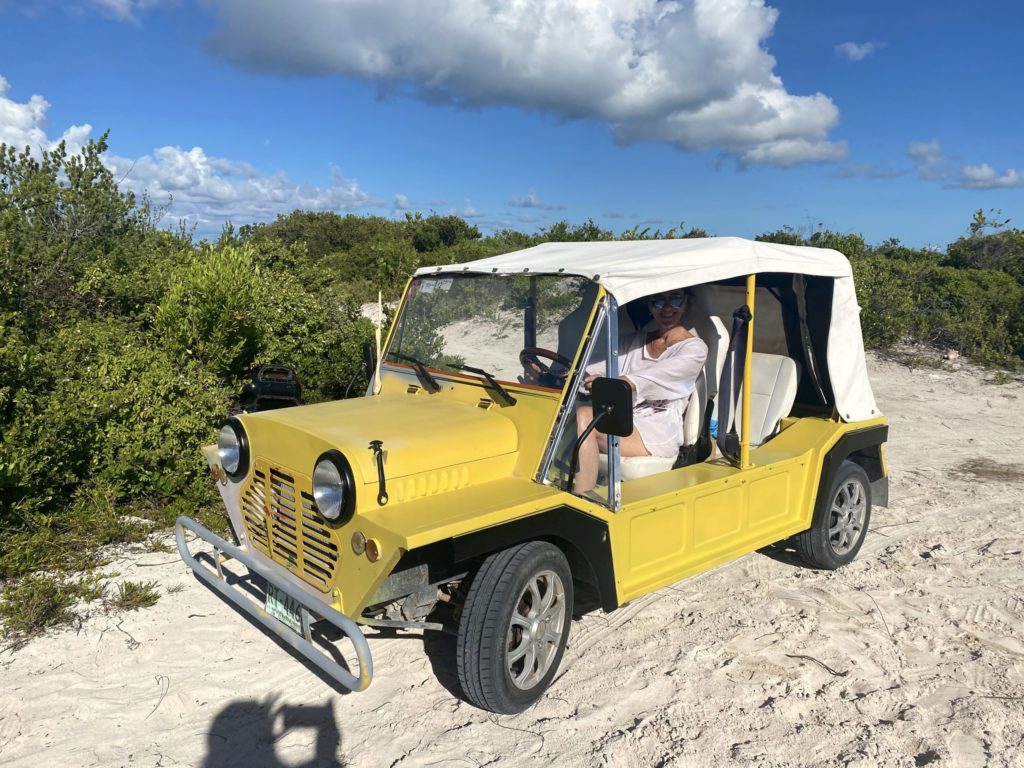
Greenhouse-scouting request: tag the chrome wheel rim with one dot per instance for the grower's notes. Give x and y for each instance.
(535, 631)
(846, 521)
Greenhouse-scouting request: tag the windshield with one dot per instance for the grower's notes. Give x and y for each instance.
(518, 329)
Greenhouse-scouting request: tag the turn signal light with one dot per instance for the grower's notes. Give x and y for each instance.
(372, 550)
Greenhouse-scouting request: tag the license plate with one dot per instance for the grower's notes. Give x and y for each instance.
(284, 608)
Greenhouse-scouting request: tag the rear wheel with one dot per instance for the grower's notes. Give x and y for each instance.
(514, 627)
(839, 526)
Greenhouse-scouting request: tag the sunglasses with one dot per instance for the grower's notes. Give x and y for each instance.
(659, 302)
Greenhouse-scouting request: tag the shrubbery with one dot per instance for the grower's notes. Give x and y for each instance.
(122, 349)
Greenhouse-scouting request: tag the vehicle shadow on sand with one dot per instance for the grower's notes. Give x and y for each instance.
(245, 732)
(783, 552)
(440, 649)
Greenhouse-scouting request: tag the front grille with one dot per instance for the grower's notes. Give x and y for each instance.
(283, 522)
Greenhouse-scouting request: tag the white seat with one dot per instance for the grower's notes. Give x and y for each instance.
(773, 382)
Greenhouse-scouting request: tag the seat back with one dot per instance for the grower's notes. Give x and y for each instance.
(718, 346)
(693, 417)
(773, 382)
(713, 333)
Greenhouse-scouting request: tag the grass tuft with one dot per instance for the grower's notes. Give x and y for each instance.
(36, 603)
(132, 595)
(1001, 377)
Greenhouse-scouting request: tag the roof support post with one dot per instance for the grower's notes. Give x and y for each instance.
(747, 378)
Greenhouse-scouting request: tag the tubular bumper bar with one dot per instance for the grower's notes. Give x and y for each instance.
(310, 608)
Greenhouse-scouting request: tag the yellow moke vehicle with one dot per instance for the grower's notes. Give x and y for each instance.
(444, 498)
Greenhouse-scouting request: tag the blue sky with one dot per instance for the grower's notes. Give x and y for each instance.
(889, 119)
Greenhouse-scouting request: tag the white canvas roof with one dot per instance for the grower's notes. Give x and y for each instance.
(630, 269)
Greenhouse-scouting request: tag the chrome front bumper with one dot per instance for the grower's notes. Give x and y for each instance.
(310, 609)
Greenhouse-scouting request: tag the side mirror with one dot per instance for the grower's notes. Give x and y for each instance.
(613, 406)
(612, 402)
(368, 356)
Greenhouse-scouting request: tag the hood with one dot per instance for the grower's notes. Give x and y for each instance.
(420, 433)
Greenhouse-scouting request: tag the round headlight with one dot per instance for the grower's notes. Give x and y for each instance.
(333, 486)
(233, 449)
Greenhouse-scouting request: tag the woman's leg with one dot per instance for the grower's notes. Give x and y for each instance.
(596, 442)
(633, 445)
(586, 478)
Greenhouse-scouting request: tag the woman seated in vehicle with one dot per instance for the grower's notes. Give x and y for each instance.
(661, 366)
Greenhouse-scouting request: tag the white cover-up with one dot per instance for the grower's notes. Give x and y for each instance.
(663, 386)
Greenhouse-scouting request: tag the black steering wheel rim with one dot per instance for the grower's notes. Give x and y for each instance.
(532, 356)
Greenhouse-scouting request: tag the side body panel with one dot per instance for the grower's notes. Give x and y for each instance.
(685, 521)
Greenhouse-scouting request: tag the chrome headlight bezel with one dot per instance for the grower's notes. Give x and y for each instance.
(233, 449)
(334, 487)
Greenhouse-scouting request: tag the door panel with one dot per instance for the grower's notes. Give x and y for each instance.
(710, 518)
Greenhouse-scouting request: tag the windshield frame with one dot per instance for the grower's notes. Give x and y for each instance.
(605, 317)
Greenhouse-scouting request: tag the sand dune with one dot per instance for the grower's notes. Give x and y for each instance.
(912, 655)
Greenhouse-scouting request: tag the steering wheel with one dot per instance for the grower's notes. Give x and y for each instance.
(531, 357)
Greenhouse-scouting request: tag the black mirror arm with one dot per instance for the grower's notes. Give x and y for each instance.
(359, 369)
(365, 365)
(573, 465)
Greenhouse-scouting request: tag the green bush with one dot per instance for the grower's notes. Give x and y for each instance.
(214, 312)
(887, 299)
(123, 413)
(975, 311)
(971, 310)
(1002, 251)
(319, 341)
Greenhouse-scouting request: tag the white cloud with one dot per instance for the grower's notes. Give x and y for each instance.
(400, 203)
(22, 125)
(857, 51)
(121, 10)
(212, 189)
(530, 200)
(930, 160)
(467, 212)
(984, 176)
(126, 10)
(694, 74)
(934, 165)
(204, 189)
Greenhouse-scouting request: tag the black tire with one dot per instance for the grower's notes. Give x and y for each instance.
(840, 523)
(500, 589)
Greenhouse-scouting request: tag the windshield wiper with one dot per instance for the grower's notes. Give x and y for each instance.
(492, 381)
(421, 369)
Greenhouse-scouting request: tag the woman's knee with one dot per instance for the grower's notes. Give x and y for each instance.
(584, 415)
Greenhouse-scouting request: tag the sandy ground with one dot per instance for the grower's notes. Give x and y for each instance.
(911, 656)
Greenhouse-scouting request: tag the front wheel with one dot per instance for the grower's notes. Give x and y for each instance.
(837, 532)
(514, 627)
